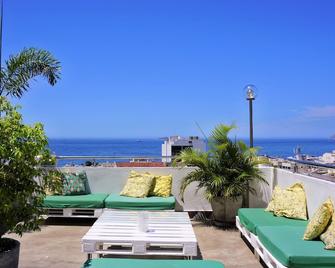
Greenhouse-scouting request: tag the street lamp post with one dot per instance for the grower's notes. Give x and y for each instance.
(251, 95)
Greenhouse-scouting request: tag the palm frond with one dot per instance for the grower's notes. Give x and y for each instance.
(226, 170)
(26, 65)
(219, 135)
(193, 176)
(190, 157)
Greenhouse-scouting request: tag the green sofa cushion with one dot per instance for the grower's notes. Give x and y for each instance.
(251, 218)
(285, 243)
(75, 201)
(139, 263)
(132, 203)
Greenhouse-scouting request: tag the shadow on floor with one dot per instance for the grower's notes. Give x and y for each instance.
(69, 221)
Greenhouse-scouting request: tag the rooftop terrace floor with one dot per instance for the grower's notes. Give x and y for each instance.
(58, 245)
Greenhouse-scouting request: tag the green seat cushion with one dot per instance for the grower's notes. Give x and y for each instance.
(139, 263)
(251, 218)
(146, 203)
(285, 243)
(75, 201)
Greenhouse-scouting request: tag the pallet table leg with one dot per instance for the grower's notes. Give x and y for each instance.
(100, 247)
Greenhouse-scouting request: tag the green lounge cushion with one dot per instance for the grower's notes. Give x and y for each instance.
(251, 218)
(75, 201)
(285, 243)
(139, 263)
(146, 203)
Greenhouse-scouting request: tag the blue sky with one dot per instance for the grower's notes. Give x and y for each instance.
(153, 68)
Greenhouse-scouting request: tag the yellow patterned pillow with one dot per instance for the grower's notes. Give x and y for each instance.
(328, 237)
(134, 173)
(319, 221)
(291, 202)
(138, 185)
(276, 192)
(162, 186)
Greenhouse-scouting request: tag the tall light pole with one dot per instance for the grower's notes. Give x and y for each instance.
(251, 96)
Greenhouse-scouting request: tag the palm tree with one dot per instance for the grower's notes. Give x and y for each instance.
(225, 172)
(26, 65)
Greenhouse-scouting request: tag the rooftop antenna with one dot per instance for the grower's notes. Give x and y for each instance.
(202, 132)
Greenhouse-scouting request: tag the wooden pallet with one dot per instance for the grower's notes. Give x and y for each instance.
(260, 250)
(115, 232)
(74, 212)
(251, 238)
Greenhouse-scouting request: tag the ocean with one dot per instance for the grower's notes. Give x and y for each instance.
(152, 147)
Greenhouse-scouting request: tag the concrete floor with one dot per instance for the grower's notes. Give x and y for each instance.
(58, 245)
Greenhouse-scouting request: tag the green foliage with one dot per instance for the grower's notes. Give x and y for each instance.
(23, 67)
(226, 170)
(23, 150)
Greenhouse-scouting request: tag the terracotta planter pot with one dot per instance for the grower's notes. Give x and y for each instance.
(225, 210)
(9, 257)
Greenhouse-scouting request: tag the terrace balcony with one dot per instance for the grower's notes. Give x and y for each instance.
(58, 244)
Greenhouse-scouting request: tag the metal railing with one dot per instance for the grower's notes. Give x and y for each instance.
(298, 166)
(314, 169)
(106, 159)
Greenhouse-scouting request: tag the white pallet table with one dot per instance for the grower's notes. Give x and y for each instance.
(116, 232)
(74, 212)
(259, 249)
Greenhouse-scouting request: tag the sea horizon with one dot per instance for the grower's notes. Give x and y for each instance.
(274, 147)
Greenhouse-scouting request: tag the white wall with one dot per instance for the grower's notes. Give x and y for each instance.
(263, 190)
(112, 180)
(317, 190)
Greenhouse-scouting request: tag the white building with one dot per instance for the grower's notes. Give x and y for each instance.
(328, 158)
(174, 144)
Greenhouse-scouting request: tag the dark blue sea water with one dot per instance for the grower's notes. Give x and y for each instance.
(152, 147)
(104, 147)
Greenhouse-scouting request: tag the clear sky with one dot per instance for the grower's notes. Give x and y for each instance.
(153, 68)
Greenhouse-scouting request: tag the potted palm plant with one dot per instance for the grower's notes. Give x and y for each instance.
(225, 172)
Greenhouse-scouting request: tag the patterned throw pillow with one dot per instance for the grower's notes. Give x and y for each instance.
(328, 237)
(319, 221)
(291, 202)
(276, 192)
(136, 174)
(56, 186)
(162, 186)
(138, 185)
(74, 183)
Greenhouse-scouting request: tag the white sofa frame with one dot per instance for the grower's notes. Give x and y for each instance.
(260, 250)
(82, 212)
(74, 212)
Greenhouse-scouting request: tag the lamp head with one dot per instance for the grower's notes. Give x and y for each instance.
(250, 91)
